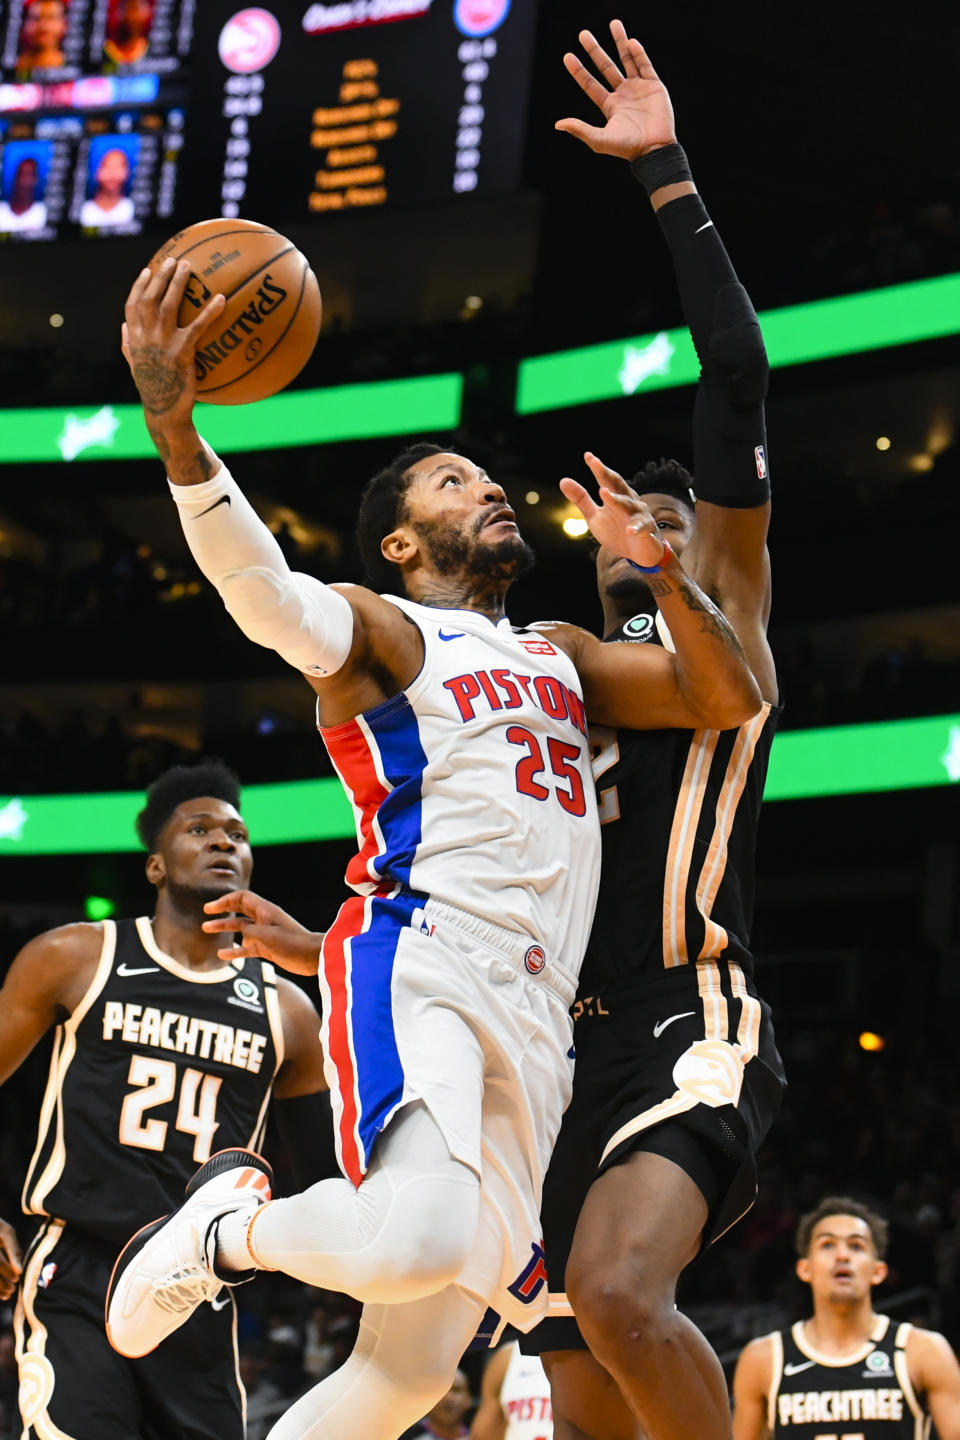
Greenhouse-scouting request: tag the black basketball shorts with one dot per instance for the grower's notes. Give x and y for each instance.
(70, 1378)
(685, 1065)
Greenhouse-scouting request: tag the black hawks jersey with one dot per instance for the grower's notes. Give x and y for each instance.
(678, 811)
(158, 1067)
(866, 1397)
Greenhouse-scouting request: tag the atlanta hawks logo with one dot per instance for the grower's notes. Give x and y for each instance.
(535, 959)
(710, 1072)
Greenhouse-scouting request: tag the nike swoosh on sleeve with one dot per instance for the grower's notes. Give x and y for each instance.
(224, 500)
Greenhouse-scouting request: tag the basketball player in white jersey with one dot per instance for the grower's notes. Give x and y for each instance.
(846, 1370)
(514, 1398)
(446, 981)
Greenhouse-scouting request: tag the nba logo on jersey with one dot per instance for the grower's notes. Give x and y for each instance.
(535, 959)
(47, 1274)
(761, 459)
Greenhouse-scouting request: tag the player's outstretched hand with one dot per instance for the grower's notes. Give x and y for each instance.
(638, 115)
(265, 930)
(10, 1262)
(621, 522)
(158, 350)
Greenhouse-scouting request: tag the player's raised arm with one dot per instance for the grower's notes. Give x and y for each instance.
(337, 642)
(707, 683)
(728, 555)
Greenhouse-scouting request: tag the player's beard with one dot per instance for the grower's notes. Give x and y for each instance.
(630, 590)
(190, 899)
(454, 553)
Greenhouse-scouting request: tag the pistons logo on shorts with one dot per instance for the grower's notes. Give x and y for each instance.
(535, 959)
(532, 1277)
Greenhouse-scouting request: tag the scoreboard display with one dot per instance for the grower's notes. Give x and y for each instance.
(363, 103)
(116, 114)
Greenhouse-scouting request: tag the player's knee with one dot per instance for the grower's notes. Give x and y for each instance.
(431, 1233)
(625, 1308)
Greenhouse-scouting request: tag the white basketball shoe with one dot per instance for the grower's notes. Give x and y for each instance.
(168, 1268)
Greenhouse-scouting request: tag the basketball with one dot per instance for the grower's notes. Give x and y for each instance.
(267, 330)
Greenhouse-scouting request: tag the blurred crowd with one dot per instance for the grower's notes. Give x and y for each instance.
(123, 746)
(882, 241)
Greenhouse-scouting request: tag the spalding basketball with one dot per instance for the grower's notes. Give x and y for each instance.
(266, 332)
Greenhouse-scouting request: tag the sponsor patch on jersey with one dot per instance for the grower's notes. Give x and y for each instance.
(641, 627)
(537, 647)
(535, 959)
(47, 1274)
(246, 994)
(532, 1277)
(877, 1363)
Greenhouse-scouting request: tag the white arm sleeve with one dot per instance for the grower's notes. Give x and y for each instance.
(307, 623)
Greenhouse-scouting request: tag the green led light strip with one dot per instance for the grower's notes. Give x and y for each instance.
(280, 814)
(298, 417)
(847, 325)
(805, 764)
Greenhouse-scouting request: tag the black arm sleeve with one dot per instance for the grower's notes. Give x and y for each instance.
(729, 434)
(305, 1124)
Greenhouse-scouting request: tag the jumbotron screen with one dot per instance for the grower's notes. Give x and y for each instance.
(93, 106)
(115, 114)
(356, 104)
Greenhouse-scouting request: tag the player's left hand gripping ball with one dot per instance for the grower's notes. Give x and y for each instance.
(265, 333)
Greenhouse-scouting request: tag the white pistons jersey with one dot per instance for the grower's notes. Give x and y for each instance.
(473, 786)
(525, 1398)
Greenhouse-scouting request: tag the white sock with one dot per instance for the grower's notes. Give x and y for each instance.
(231, 1238)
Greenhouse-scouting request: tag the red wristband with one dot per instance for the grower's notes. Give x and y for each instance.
(661, 564)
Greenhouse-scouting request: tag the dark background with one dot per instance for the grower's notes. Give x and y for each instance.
(823, 141)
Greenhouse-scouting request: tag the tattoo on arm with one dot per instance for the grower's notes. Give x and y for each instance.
(201, 463)
(189, 470)
(714, 621)
(160, 383)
